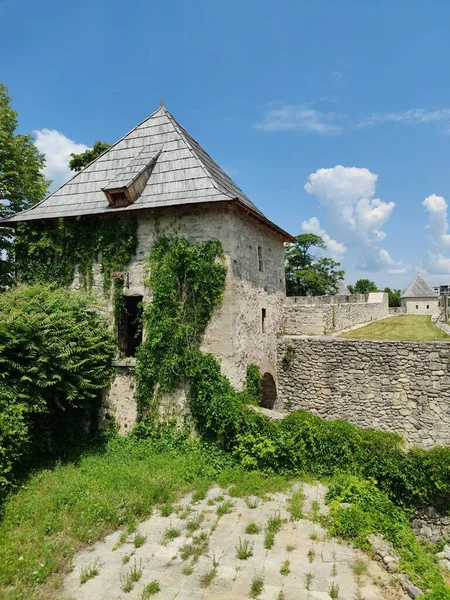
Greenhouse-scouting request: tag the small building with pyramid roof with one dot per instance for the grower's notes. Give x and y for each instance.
(159, 176)
(420, 299)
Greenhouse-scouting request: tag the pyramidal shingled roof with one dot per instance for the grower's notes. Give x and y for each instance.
(183, 173)
(419, 288)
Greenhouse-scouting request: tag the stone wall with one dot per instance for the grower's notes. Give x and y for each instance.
(319, 315)
(402, 387)
(244, 328)
(421, 306)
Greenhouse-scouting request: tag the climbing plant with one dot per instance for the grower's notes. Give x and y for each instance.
(50, 252)
(187, 283)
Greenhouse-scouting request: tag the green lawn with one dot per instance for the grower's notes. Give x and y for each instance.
(405, 327)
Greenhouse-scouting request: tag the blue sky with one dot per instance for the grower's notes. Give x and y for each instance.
(350, 99)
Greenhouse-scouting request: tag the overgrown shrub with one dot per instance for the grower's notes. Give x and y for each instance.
(55, 355)
(358, 509)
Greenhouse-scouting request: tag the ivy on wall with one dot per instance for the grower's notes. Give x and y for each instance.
(50, 252)
(187, 283)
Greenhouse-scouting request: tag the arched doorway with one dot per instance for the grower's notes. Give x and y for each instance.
(269, 391)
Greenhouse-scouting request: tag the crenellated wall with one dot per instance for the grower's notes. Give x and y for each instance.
(319, 315)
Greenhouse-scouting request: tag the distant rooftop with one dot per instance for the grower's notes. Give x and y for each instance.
(419, 288)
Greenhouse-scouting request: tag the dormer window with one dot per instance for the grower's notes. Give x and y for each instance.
(128, 185)
(117, 198)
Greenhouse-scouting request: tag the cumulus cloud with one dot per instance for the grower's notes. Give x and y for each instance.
(436, 230)
(335, 249)
(413, 116)
(57, 149)
(437, 263)
(301, 117)
(354, 216)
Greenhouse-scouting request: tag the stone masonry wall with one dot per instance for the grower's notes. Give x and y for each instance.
(238, 333)
(319, 315)
(396, 386)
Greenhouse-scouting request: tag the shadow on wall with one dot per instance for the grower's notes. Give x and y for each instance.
(269, 391)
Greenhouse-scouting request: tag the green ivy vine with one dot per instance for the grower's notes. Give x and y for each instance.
(50, 252)
(187, 283)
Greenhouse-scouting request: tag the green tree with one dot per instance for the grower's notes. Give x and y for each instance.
(308, 273)
(22, 182)
(394, 297)
(79, 161)
(363, 286)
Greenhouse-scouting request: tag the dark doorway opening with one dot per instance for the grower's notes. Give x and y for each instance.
(130, 325)
(269, 391)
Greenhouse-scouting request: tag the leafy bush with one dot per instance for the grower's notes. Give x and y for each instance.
(55, 353)
(367, 510)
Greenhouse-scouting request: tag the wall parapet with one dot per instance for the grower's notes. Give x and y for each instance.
(319, 315)
(396, 386)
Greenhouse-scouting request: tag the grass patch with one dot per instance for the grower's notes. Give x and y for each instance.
(89, 571)
(224, 508)
(295, 505)
(257, 586)
(166, 510)
(405, 327)
(244, 549)
(207, 578)
(285, 568)
(134, 574)
(151, 589)
(193, 524)
(187, 570)
(139, 540)
(170, 534)
(195, 548)
(252, 528)
(274, 524)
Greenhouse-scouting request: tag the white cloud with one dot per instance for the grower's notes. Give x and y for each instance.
(300, 117)
(335, 249)
(413, 116)
(437, 264)
(57, 149)
(354, 216)
(436, 229)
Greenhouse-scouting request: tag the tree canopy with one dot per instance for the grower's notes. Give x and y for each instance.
(79, 161)
(394, 297)
(363, 286)
(307, 272)
(22, 182)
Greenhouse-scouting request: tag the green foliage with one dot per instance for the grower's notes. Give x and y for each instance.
(363, 286)
(79, 161)
(308, 274)
(395, 297)
(187, 283)
(253, 388)
(22, 183)
(113, 484)
(371, 511)
(55, 352)
(49, 253)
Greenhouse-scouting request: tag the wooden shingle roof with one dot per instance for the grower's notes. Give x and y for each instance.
(419, 288)
(183, 173)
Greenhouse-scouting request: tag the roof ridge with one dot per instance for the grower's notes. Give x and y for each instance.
(180, 129)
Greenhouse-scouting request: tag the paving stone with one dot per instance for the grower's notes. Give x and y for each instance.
(162, 561)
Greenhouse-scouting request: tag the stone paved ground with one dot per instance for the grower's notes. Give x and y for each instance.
(316, 567)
